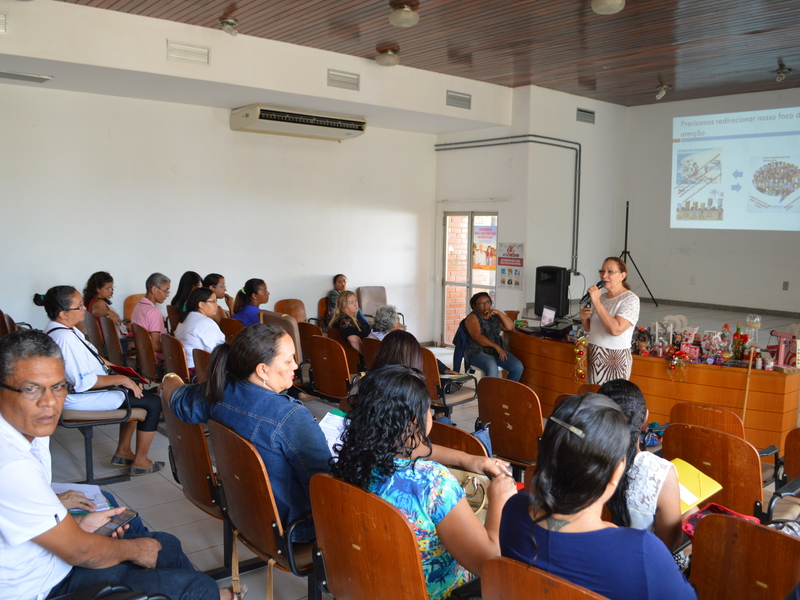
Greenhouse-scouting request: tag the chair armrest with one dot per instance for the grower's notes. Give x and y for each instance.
(402, 317)
(768, 451)
(790, 489)
(290, 547)
(471, 589)
(321, 323)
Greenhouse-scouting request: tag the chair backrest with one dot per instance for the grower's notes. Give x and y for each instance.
(458, 439)
(230, 327)
(288, 323)
(145, 354)
(3, 324)
(93, 335)
(350, 353)
(113, 345)
(587, 388)
(515, 414)
(248, 499)
(430, 369)
(306, 330)
(736, 559)
(709, 416)
(174, 356)
(371, 298)
(292, 306)
(191, 461)
(367, 545)
(560, 398)
(507, 579)
(173, 315)
(328, 367)
(9, 324)
(322, 309)
(201, 358)
(130, 304)
(728, 459)
(369, 348)
(791, 454)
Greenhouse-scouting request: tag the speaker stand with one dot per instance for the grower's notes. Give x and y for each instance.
(627, 255)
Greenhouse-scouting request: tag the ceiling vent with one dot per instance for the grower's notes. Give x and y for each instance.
(3, 23)
(459, 100)
(259, 118)
(344, 80)
(188, 53)
(585, 116)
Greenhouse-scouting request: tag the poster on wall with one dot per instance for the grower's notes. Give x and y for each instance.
(484, 247)
(510, 263)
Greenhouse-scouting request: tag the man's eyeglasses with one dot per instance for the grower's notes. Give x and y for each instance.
(36, 392)
(167, 292)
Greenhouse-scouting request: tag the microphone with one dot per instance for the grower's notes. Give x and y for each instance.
(600, 285)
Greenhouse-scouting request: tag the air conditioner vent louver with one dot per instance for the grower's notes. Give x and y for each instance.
(188, 53)
(459, 100)
(344, 80)
(295, 122)
(3, 23)
(585, 116)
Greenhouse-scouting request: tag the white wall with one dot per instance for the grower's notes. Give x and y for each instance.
(733, 268)
(93, 182)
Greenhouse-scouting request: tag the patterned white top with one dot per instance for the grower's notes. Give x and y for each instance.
(626, 305)
(647, 477)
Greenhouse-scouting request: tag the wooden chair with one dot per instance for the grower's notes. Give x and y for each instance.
(789, 507)
(739, 560)
(3, 325)
(296, 308)
(174, 357)
(201, 358)
(367, 545)
(330, 377)
(458, 439)
(353, 357)
(92, 331)
(145, 354)
(114, 351)
(322, 311)
(560, 398)
(230, 327)
(173, 316)
(436, 388)
(289, 324)
(130, 304)
(369, 347)
(306, 330)
(587, 388)
(506, 579)
(249, 504)
(515, 415)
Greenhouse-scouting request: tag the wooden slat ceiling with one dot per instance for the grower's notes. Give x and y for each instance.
(703, 48)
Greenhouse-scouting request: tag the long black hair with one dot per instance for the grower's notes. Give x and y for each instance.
(245, 295)
(201, 294)
(252, 346)
(96, 281)
(388, 421)
(189, 281)
(56, 299)
(630, 399)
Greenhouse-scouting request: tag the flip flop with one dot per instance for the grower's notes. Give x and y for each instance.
(157, 466)
(118, 461)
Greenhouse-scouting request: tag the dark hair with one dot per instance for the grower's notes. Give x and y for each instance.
(630, 399)
(245, 295)
(211, 279)
(23, 345)
(398, 348)
(572, 471)
(475, 297)
(189, 281)
(335, 277)
(252, 346)
(388, 420)
(197, 296)
(96, 281)
(56, 299)
(623, 268)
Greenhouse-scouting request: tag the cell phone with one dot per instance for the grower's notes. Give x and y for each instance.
(117, 521)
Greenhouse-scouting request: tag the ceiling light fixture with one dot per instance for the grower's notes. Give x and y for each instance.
(388, 58)
(405, 16)
(607, 7)
(662, 91)
(782, 73)
(229, 26)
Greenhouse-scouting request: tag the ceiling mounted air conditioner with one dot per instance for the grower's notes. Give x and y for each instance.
(260, 118)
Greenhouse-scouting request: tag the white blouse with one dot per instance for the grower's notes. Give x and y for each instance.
(626, 305)
(198, 331)
(647, 477)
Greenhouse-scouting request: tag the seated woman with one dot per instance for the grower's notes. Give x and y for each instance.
(189, 282)
(244, 391)
(197, 328)
(558, 527)
(384, 450)
(339, 285)
(648, 496)
(248, 299)
(97, 299)
(89, 374)
(216, 283)
(485, 346)
(386, 321)
(348, 318)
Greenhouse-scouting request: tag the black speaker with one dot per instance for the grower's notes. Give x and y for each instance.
(552, 285)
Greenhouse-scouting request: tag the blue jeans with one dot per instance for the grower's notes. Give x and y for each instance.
(174, 575)
(491, 365)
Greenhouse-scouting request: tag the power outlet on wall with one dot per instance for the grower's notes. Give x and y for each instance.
(785, 286)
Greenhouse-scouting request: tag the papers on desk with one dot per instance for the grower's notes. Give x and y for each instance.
(695, 486)
(92, 492)
(332, 426)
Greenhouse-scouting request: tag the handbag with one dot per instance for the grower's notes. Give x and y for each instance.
(475, 486)
(712, 508)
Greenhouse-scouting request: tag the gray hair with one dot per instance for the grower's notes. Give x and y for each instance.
(23, 345)
(156, 279)
(385, 318)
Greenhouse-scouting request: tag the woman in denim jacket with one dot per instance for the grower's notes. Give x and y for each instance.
(244, 392)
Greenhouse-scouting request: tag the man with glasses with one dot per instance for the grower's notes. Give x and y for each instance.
(147, 314)
(46, 552)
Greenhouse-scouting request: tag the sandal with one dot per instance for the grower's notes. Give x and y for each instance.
(157, 466)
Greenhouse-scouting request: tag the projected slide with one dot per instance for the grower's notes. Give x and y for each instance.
(737, 171)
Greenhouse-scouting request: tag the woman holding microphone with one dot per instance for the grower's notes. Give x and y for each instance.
(610, 318)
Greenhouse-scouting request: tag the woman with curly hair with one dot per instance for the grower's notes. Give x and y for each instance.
(97, 299)
(385, 449)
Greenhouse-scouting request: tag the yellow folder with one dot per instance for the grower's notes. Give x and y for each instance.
(695, 486)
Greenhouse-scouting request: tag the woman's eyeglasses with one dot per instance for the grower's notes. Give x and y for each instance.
(609, 271)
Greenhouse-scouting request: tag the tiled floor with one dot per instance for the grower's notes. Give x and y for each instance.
(162, 506)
